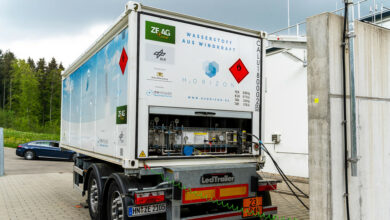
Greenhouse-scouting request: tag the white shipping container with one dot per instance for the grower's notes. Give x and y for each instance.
(152, 66)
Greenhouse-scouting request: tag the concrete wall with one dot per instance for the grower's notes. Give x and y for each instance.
(285, 113)
(369, 191)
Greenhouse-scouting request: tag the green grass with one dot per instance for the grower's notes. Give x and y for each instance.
(13, 138)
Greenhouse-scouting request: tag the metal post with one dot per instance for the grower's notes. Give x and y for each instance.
(1, 152)
(358, 5)
(374, 11)
(351, 40)
(382, 14)
(288, 16)
(297, 30)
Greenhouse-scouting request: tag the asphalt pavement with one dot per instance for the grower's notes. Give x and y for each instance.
(42, 189)
(14, 164)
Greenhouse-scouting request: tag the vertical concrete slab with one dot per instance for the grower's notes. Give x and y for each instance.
(371, 197)
(369, 192)
(319, 116)
(336, 117)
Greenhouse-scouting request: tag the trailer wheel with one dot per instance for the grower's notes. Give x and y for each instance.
(267, 198)
(115, 206)
(93, 196)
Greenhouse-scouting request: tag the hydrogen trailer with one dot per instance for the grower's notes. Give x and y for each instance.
(164, 111)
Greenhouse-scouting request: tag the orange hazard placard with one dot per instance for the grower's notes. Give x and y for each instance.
(252, 206)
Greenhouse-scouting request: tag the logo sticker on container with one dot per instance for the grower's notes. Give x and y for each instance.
(160, 54)
(160, 32)
(121, 114)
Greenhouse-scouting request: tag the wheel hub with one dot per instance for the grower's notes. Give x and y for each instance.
(116, 206)
(93, 197)
(29, 155)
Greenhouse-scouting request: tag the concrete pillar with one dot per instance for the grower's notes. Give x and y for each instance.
(319, 120)
(1, 152)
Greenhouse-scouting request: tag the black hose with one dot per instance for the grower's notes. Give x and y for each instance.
(282, 174)
(345, 111)
(285, 178)
(280, 171)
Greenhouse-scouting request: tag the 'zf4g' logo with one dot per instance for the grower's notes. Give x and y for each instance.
(159, 32)
(164, 33)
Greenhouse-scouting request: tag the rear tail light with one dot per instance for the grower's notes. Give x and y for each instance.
(267, 187)
(20, 146)
(149, 197)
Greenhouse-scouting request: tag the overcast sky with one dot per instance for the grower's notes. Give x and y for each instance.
(65, 28)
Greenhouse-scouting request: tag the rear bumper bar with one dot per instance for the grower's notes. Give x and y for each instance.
(267, 210)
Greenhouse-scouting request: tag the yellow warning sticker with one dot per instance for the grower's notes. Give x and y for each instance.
(316, 100)
(142, 154)
(200, 133)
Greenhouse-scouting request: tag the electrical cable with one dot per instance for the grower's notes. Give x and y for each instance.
(279, 169)
(285, 178)
(345, 110)
(282, 174)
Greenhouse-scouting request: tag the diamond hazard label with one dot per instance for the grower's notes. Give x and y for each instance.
(123, 61)
(239, 70)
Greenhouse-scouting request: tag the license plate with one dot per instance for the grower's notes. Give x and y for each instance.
(147, 209)
(252, 206)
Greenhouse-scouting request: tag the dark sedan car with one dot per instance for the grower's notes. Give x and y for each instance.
(44, 149)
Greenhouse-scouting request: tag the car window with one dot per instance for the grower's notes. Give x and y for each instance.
(42, 143)
(54, 144)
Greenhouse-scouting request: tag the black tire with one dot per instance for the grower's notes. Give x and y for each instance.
(93, 196)
(116, 204)
(29, 155)
(267, 199)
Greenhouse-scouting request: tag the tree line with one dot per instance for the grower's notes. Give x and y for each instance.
(30, 94)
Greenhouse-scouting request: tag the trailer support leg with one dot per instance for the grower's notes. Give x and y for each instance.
(173, 210)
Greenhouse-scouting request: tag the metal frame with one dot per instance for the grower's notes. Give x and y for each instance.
(187, 18)
(374, 15)
(192, 112)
